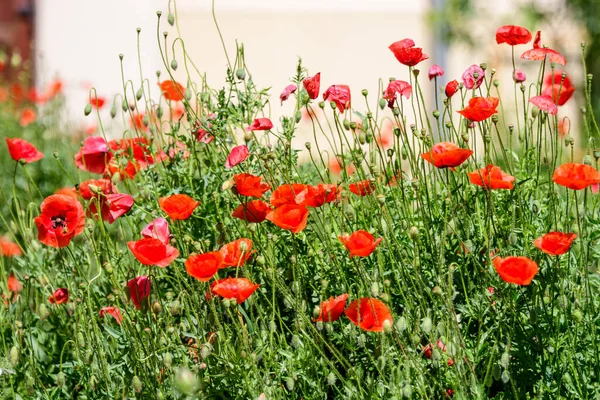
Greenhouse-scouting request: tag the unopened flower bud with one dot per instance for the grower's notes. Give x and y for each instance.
(387, 326)
(505, 359)
(414, 233)
(375, 289)
(382, 103)
(426, 324)
(174, 64)
(332, 105)
(298, 116)
(186, 381)
(171, 19)
(139, 94)
(228, 184)
(240, 73)
(136, 383)
(13, 356)
(168, 360)
(331, 379)
(587, 160)
(362, 138)
(43, 311)
(156, 307)
(87, 110)
(60, 379)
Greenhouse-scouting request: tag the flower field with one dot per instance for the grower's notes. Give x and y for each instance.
(431, 249)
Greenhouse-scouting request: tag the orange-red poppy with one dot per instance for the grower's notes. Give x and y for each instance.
(368, 314)
(513, 35)
(21, 149)
(61, 219)
(178, 206)
(491, 177)
(252, 211)
(555, 243)
(320, 194)
(172, 90)
(332, 309)
(204, 266)
(150, 251)
(446, 155)
(558, 88)
(362, 188)
(236, 253)
(138, 290)
(234, 288)
(576, 176)
(260, 124)
(60, 296)
(480, 108)
(250, 185)
(406, 52)
(9, 248)
(113, 312)
(68, 191)
(292, 217)
(138, 149)
(289, 193)
(95, 191)
(28, 116)
(94, 155)
(360, 243)
(544, 103)
(340, 95)
(312, 85)
(517, 270)
(336, 168)
(13, 284)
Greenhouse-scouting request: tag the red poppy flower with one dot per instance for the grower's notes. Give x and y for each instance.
(360, 243)
(435, 71)
(539, 53)
(480, 108)
(318, 195)
(113, 312)
(491, 177)
(9, 248)
(61, 219)
(555, 243)
(116, 170)
(397, 87)
(95, 191)
(204, 266)
(97, 102)
(451, 88)
(150, 251)
(28, 117)
(293, 193)
(137, 121)
(406, 52)
(252, 211)
(250, 185)
(20, 149)
(576, 176)
(340, 95)
(544, 103)
(289, 89)
(172, 90)
(60, 296)
(312, 85)
(13, 284)
(427, 349)
(94, 155)
(260, 124)
(446, 155)
(158, 229)
(368, 314)
(138, 289)
(517, 270)
(336, 168)
(236, 253)
(138, 149)
(118, 204)
(473, 77)
(237, 155)
(178, 206)
(68, 191)
(559, 89)
(362, 188)
(289, 216)
(332, 309)
(54, 88)
(234, 288)
(513, 35)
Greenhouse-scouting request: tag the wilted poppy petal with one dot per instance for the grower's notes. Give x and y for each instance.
(289, 89)
(260, 124)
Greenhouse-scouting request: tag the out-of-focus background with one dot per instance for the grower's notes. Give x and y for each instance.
(78, 42)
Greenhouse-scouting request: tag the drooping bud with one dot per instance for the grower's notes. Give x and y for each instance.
(87, 110)
(171, 19)
(174, 64)
(240, 73)
(136, 383)
(186, 381)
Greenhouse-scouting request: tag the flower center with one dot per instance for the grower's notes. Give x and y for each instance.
(59, 221)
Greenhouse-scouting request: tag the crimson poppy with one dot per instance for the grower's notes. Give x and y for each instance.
(20, 149)
(61, 219)
(292, 217)
(260, 124)
(236, 253)
(360, 243)
(312, 85)
(406, 52)
(150, 251)
(94, 155)
(28, 116)
(60, 296)
(435, 71)
(362, 188)
(558, 88)
(539, 53)
(201, 134)
(519, 76)
(158, 229)
(138, 290)
(250, 185)
(517, 270)
(289, 193)
(138, 149)
(9, 248)
(234, 288)
(480, 108)
(95, 191)
(451, 88)
(446, 155)
(138, 120)
(397, 87)
(318, 195)
(576, 176)
(513, 35)
(368, 314)
(172, 90)
(252, 211)
(331, 310)
(473, 77)
(118, 204)
(340, 95)
(178, 206)
(289, 89)
(491, 177)
(116, 171)
(237, 155)
(97, 102)
(555, 243)
(204, 266)
(544, 103)
(113, 312)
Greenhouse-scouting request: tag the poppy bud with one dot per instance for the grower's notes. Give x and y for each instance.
(577, 315)
(205, 351)
(322, 105)
(186, 381)
(331, 378)
(436, 114)
(43, 311)
(495, 118)
(406, 391)
(587, 160)
(414, 233)
(505, 359)
(168, 360)
(426, 324)
(289, 383)
(171, 19)
(174, 64)
(87, 110)
(175, 308)
(60, 379)
(137, 384)
(298, 116)
(93, 382)
(156, 307)
(346, 124)
(139, 94)
(505, 377)
(362, 138)
(396, 111)
(228, 184)
(240, 73)
(387, 326)
(375, 289)
(384, 297)
(260, 260)
(13, 356)
(382, 103)
(333, 105)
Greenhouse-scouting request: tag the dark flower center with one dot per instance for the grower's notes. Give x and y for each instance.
(59, 221)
